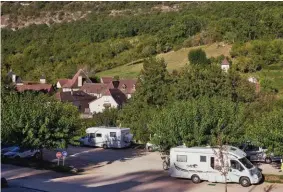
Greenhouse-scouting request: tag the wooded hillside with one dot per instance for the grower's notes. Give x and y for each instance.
(104, 39)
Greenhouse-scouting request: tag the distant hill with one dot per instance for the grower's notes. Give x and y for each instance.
(57, 38)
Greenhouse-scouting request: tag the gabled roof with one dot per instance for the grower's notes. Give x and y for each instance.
(35, 87)
(63, 81)
(73, 83)
(128, 83)
(93, 87)
(74, 96)
(117, 95)
(106, 80)
(225, 62)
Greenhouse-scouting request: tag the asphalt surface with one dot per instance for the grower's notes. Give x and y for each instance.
(112, 170)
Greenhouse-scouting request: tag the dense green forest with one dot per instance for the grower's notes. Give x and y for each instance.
(102, 41)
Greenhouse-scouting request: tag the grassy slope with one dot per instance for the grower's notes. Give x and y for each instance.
(178, 59)
(174, 59)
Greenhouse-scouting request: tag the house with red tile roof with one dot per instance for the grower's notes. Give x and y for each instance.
(111, 98)
(75, 83)
(225, 65)
(127, 86)
(22, 86)
(79, 99)
(94, 89)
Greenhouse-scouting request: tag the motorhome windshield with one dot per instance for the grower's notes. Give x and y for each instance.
(246, 163)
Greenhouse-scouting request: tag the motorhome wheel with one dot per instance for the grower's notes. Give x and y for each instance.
(268, 160)
(104, 146)
(195, 179)
(245, 182)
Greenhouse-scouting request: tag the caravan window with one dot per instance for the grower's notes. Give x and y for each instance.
(92, 135)
(98, 135)
(112, 134)
(202, 158)
(181, 158)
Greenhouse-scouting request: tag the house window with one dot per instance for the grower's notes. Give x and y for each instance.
(98, 135)
(112, 134)
(202, 158)
(181, 158)
(124, 86)
(134, 87)
(107, 105)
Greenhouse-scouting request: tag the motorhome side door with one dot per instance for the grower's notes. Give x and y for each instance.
(235, 171)
(99, 139)
(91, 139)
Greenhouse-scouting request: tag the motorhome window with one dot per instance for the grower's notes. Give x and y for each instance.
(181, 158)
(92, 135)
(202, 158)
(212, 162)
(236, 165)
(246, 163)
(98, 135)
(112, 134)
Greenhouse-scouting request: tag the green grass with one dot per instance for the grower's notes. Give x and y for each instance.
(274, 73)
(174, 59)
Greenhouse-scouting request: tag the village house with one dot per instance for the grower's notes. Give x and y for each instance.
(22, 86)
(79, 99)
(75, 83)
(111, 98)
(225, 65)
(127, 86)
(94, 89)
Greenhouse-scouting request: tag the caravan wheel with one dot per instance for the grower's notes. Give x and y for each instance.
(104, 146)
(195, 179)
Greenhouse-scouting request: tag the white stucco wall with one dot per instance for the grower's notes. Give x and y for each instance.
(225, 67)
(129, 96)
(58, 85)
(96, 106)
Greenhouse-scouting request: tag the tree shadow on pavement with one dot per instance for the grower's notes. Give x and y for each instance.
(88, 158)
(141, 181)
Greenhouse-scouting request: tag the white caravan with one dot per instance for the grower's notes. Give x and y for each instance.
(107, 137)
(202, 163)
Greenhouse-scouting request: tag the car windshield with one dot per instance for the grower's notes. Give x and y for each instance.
(246, 163)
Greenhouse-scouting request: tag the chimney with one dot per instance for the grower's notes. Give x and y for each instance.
(42, 79)
(14, 78)
(80, 81)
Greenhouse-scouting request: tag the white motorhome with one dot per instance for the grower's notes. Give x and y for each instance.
(202, 163)
(107, 137)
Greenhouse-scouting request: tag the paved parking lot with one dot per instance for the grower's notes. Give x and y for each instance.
(114, 170)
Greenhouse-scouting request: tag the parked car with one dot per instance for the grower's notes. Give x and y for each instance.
(7, 148)
(18, 152)
(259, 154)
